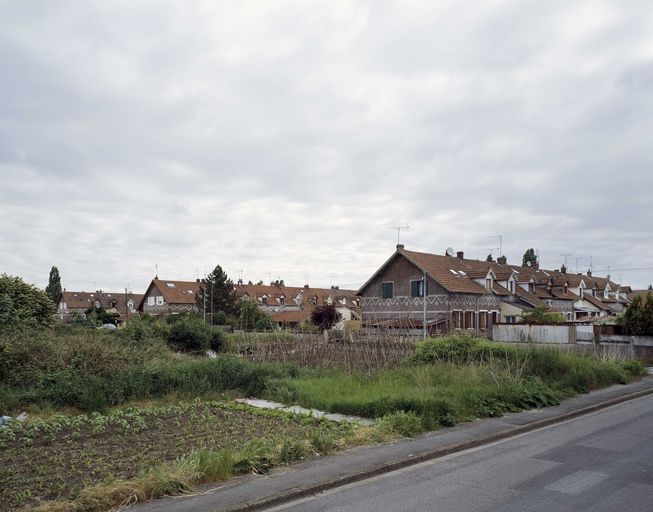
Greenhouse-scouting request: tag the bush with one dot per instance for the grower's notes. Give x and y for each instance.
(405, 424)
(142, 327)
(190, 335)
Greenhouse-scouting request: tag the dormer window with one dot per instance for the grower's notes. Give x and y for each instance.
(605, 293)
(282, 300)
(264, 299)
(488, 283)
(511, 286)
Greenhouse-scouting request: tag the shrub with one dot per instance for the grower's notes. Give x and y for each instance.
(190, 335)
(405, 424)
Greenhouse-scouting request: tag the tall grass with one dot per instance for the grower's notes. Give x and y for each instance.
(90, 370)
(454, 379)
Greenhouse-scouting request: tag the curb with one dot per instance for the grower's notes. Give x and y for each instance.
(303, 492)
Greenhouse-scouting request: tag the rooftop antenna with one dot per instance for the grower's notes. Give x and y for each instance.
(492, 249)
(500, 237)
(156, 269)
(566, 257)
(577, 259)
(590, 262)
(306, 278)
(399, 228)
(240, 274)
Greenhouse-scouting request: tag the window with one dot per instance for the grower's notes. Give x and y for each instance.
(130, 304)
(282, 301)
(387, 291)
(511, 286)
(417, 288)
(170, 285)
(488, 283)
(511, 319)
(150, 301)
(159, 300)
(264, 299)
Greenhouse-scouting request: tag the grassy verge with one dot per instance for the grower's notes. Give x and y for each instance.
(97, 461)
(456, 379)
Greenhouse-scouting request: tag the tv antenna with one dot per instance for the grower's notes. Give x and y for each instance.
(492, 249)
(566, 257)
(399, 228)
(500, 237)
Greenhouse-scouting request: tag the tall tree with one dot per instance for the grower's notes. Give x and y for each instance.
(217, 294)
(529, 257)
(53, 289)
(24, 303)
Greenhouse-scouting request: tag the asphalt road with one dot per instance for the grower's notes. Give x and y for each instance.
(601, 462)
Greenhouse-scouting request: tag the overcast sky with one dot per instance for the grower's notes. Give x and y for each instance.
(285, 138)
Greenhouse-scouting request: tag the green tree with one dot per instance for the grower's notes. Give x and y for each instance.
(26, 303)
(252, 317)
(502, 259)
(53, 289)
(540, 316)
(529, 257)
(217, 294)
(325, 317)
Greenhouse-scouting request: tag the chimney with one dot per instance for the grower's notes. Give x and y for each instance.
(306, 286)
(240, 282)
(281, 283)
(563, 269)
(196, 280)
(400, 247)
(589, 273)
(461, 255)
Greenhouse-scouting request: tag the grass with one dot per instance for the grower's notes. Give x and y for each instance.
(451, 380)
(114, 455)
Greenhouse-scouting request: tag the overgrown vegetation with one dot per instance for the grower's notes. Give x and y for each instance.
(455, 379)
(167, 449)
(540, 316)
(23, 304)
(93, 369)
(637, 320)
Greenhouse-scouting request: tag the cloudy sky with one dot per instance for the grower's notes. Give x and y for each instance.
(283, 139)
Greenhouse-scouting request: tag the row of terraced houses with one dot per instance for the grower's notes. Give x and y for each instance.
(411, 290)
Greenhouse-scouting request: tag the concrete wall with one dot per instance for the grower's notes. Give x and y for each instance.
(555, 334)
(581, 336)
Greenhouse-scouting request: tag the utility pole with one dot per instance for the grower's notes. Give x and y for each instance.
(424, 330)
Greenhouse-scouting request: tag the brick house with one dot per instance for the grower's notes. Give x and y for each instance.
(122, 305)
(288, 306)
(165, 297)
(454, 300)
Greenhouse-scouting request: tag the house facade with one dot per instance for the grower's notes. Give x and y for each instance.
(463, 294)
(413, 290)
(288, 306)
(167, 297)
(123, 305)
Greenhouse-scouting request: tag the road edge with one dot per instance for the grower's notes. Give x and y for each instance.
(333, 483)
